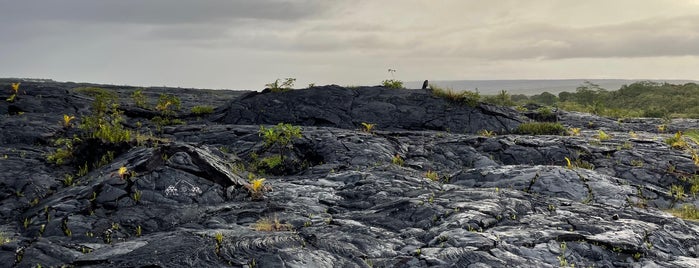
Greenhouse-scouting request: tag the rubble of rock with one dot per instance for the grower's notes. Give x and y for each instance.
(502, 200)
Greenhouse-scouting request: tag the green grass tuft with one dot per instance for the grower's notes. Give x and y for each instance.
(541, 128)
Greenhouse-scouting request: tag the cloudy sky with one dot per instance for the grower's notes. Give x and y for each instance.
(240, 44)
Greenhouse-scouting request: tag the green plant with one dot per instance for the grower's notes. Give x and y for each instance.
(82, 171)
(602, 136)
(397, 160)
(578, 163)
(286, 85)
(367, 127)
(677, 192)
(280, 136)
(64, 152)
(139, 99)
(272, 161)
(574, 131)
(677, 141)
(219, 238)
(694, 188)
(392, 83)
(68, 180)
(202, 109)
(139, 231)
(105, 122)
(662, 128)
(432, 175)
(257, 188)
(4, 238)
(540, 128)
(637, 163)
(168, 104)
(137, 196)
(67, 119)
(15, 90)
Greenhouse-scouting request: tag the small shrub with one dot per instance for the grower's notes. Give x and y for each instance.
(540, 128)
(392, 83)
(105, 122)
(202, 109)
(139, 99)
(64, 152)
(280, 135)
(287, 85)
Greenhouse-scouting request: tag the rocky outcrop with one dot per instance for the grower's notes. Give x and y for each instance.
(389, 109)
(505, 200)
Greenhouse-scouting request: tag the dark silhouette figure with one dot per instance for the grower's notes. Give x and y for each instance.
(425, 84)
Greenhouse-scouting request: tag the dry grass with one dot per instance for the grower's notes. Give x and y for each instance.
(271, 225)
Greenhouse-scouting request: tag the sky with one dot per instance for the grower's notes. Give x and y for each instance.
(236, 44)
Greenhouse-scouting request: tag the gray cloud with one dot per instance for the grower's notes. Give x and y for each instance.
(160, 11)
(177, 42)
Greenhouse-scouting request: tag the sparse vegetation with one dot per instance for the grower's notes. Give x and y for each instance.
(466, 97)
(392, 83)
(106, 120)
(286, 85)
(687, 212)
(202, 109)
(540, 128)
(64, 152)
(279, 137)
(271, 225)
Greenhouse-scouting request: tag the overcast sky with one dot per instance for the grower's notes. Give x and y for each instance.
(239, 44)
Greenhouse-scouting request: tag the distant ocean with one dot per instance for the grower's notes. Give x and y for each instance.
(531, 87)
